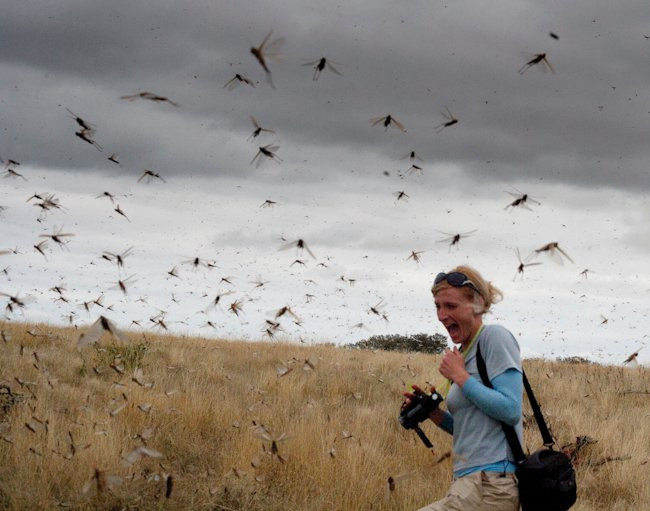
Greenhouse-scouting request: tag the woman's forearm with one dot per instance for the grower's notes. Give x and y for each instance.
(503, 402)
(443, 419)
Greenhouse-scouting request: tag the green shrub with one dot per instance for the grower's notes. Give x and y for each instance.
(574, 360)
(130, 355)
(423, 343)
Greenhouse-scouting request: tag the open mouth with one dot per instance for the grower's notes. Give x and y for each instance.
(454, 330)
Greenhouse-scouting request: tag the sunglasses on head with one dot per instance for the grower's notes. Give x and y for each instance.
(456, 279)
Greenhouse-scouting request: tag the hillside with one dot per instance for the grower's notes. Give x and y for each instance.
(230, 425)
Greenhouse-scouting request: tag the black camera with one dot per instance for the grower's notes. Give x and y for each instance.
(418, 410)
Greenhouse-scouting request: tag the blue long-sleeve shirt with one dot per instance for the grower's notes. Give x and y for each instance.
(500, 403)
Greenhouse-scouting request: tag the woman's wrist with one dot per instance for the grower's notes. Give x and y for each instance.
(437, 416)
(461, 378)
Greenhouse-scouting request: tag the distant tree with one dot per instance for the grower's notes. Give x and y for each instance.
(574, 360)
(423, 343)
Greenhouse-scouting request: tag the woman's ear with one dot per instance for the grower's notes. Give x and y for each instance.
(479, 308)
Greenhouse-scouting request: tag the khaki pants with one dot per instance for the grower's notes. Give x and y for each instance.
(480, 491)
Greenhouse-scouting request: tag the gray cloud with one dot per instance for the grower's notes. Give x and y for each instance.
(569, 127)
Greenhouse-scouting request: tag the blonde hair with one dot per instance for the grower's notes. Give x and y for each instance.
(486, 296)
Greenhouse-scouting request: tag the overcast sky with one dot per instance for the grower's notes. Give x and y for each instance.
(575, 140)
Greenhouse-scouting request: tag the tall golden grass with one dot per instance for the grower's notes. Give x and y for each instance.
(236, 431)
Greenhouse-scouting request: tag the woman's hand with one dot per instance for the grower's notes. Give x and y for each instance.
(417, 391)
(453, 367)
(436, 415)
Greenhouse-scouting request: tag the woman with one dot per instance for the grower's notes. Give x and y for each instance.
(482, 460)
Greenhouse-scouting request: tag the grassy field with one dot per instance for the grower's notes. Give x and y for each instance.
(271, 426)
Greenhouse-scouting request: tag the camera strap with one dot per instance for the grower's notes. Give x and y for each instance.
(511, 435)
(423, 437)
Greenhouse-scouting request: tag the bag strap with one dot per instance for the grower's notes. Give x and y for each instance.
(509, 431)
(537, 411)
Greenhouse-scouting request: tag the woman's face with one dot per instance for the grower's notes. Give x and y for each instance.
(456, 313)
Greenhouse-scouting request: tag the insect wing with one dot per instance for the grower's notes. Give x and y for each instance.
(446, 240)
(115, 332)
(273, 149)
(232, 83)
(333, 69)
(257, 157)
(272, 50)
(264, 41)
(547, 64)
(399, 125)
(564, 254)
(92, 335)
(519, 256)
(554, 254)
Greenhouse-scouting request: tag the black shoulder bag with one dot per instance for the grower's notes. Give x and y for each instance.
(547, 481)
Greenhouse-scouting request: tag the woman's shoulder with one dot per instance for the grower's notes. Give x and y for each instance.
(499, 335)
(499, 348)
(496, 330)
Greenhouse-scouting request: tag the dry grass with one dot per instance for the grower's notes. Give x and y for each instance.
(211, 400)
